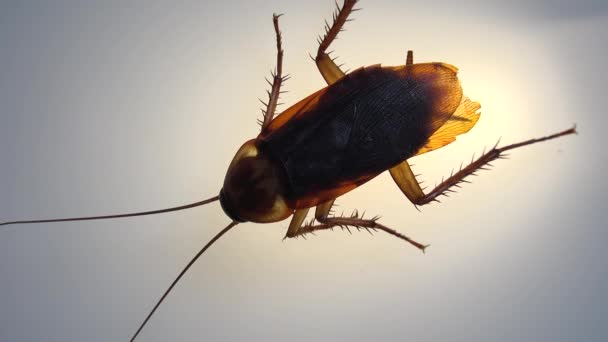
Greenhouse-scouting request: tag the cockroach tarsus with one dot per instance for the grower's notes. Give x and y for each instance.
(363, 123)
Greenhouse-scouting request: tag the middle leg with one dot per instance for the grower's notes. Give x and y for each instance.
(331, 73)
(357, 221)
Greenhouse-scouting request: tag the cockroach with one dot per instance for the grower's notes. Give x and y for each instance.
(361, 124)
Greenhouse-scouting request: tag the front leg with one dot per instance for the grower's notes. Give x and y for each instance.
(277, 80)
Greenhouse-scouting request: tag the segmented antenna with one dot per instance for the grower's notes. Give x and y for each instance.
(181, 274)
(142, 213)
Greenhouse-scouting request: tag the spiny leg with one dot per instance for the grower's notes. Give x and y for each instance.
(323, 210)
(327, 66)
(355, 221)
(277, 80)
(296, 222)
(299, 215)
(322, 214)
(406, 180)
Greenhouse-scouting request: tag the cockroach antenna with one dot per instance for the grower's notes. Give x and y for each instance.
(104, 217)
(142, 213)
(181, 274)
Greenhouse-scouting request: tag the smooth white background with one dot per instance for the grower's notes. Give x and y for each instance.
(111, 107)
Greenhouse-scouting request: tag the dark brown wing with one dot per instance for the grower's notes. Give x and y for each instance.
(346, 134)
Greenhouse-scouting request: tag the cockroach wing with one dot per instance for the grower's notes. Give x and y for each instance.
(463, 119)
(369, 121)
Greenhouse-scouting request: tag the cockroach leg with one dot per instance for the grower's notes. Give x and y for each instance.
(277, 79)
(296, 222)
(406, 180)
(409, 60)
(327, 66)
(323, 210)
(355, 221)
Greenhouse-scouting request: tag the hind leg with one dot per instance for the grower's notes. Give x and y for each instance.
(406, 180)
